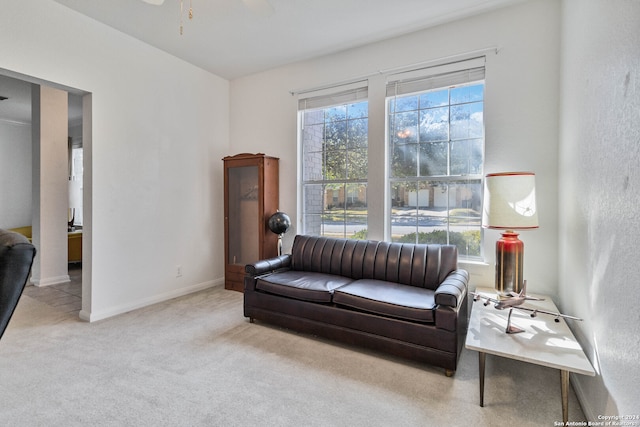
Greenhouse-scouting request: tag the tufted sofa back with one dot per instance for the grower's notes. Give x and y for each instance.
(424, 266)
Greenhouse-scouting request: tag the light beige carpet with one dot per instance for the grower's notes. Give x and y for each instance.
(196, 361)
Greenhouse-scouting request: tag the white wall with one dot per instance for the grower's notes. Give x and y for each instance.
(521, 111)
(160, 128)
(15, 170)
(600, 194)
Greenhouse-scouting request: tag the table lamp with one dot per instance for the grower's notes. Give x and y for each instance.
(509, 204)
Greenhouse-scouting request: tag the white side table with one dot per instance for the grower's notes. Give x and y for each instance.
(558, 349)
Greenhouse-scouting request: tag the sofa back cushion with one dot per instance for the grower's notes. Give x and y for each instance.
(424, 266)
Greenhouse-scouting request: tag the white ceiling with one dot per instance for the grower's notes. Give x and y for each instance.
(234, 38)
(17, 106)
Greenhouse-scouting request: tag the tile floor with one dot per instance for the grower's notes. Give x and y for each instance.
(66, 297)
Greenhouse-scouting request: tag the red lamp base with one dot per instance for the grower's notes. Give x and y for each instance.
(509, 256)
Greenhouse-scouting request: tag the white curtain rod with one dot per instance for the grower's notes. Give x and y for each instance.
(423, 64)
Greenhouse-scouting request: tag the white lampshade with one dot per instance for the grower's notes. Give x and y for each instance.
(510, 201)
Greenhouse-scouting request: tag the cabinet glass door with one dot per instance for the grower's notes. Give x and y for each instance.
(243, 215)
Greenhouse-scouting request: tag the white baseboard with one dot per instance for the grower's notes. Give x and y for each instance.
(134, 305)
(48, 281)
(582, 399)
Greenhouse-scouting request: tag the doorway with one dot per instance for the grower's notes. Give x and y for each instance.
(73, 296)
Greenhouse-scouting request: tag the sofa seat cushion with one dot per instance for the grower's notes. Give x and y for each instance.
(302, 285)
(388, 299)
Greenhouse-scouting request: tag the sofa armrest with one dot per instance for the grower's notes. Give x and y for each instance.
(453, 289)
(268, 265)
(451, 299)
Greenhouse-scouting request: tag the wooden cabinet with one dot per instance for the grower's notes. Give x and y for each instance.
(250, 198)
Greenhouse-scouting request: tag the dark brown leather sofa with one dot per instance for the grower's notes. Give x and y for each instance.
(402, 299)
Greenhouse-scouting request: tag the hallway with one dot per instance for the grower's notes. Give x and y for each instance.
(65, 297)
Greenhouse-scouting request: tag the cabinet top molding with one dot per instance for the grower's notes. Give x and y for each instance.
(248, 155)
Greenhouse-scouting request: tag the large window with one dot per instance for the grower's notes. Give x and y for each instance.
(429, 182)
(436, 147)
(334, 172)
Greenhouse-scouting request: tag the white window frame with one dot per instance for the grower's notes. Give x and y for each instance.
(421, 81)
(339, 95)
(379, 202)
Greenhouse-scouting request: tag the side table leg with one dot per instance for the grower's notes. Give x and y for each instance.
(481, 359)
(564, 386)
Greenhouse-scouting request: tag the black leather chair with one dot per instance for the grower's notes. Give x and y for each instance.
(16, 258)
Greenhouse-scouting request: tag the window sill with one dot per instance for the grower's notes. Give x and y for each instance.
(473, 263)
(481, 273)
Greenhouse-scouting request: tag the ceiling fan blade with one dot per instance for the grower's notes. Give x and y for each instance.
(154, 2)
(260, 7)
